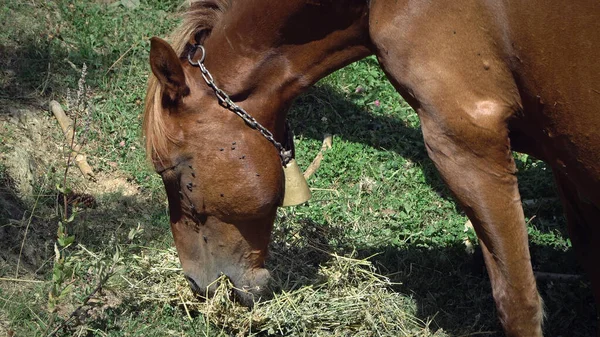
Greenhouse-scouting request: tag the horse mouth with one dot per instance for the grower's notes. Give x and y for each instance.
(224, 286)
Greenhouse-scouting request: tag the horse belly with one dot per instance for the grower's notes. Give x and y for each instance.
(554, 59)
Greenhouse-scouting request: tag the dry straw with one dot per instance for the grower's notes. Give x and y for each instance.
(345, 297)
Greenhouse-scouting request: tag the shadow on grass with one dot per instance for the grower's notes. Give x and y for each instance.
(43, 51)
(355, 124)
(35, 70)
(28, 232)
(452, 288)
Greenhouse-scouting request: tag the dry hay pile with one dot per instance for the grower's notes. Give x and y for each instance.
(345, 298)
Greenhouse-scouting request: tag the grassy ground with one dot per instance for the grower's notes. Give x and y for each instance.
(376, 196)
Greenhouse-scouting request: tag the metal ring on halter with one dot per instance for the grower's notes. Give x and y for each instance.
(193, 51)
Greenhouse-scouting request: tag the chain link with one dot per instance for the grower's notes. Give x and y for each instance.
(226, 102)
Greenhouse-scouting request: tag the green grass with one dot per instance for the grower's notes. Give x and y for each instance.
(376, 194)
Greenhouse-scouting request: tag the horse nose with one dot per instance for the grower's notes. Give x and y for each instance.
(254, 287)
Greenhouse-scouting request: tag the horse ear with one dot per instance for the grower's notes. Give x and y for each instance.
(167, 68)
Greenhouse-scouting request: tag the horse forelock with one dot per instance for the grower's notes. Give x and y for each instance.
(199, 15)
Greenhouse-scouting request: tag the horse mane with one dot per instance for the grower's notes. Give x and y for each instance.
(200, 15)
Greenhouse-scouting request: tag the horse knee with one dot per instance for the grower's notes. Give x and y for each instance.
(472, 132)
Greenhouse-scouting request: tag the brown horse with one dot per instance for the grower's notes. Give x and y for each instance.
(485, 77)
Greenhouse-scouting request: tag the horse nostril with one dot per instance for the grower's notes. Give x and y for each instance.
(193, 284)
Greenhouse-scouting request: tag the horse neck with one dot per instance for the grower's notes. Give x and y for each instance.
(275, 53)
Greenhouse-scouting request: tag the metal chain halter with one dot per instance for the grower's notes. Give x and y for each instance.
(226, 102)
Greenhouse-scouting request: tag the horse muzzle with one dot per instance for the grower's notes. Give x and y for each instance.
(247, 289)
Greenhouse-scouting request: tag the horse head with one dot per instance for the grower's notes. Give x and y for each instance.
(222, 166)
(223, 179)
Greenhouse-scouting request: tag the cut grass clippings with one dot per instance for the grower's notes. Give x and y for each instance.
(348, 299)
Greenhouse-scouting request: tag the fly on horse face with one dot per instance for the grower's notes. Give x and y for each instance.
(485, 78)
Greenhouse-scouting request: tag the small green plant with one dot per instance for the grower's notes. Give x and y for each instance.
(58, 289)
(66, 263)
(62, 269)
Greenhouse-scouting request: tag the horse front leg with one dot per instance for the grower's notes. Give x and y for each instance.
(470, 147)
